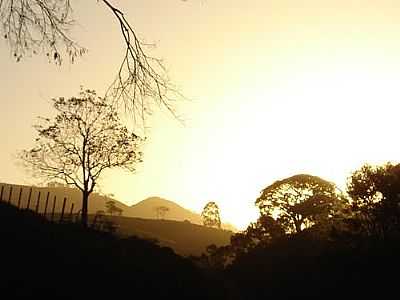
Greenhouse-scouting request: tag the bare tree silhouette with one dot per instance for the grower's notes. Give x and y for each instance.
(84, 139)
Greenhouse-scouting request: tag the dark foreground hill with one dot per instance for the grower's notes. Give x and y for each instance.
(39, 258)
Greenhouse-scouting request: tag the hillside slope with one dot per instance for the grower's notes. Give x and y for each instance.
(184, 238)
(147, 209)
(144, 209)
(41, 258)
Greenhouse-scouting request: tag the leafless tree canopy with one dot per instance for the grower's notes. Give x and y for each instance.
(42, 27)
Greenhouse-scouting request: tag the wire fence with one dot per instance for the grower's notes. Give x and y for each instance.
(42, 203)
(49, 205)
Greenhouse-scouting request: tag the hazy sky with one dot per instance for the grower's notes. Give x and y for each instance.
(278, 88)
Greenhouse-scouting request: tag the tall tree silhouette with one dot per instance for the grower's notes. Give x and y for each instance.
(85, 138)
(298, 202)
(210, 215)
(42, 27)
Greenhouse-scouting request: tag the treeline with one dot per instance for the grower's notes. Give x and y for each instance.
(313, 240)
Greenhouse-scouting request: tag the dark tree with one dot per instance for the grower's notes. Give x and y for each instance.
(374, 184)
(210, 215)
(264, 230)
(217, 257)
(42, 27)
(375, 195)
(85, 138)
(299, 202)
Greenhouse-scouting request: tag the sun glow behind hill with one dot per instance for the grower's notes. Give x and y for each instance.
(326, 120)
(279, 88)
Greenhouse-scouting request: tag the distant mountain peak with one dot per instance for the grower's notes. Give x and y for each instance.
(147, 209)
(154, 200)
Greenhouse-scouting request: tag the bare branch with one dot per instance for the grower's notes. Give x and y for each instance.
(142, 80)
(42, 26)
(39, 26)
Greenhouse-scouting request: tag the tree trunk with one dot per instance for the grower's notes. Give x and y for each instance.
(297, 223)
(85, 198)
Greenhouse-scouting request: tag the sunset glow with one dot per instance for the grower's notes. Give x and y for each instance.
(275, 90)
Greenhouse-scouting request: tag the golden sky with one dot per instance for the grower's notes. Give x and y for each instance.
(277, 88)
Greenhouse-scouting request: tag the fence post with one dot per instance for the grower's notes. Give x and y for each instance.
(1, 193)
(47, 202)
(62, 211)
(72, 210)
(37, 203)
(10, 195)
(19, 198)
(54, 207)
(29, 199)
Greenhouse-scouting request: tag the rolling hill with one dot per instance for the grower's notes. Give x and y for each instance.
(179, 229)
(147, 209)
(144, 209)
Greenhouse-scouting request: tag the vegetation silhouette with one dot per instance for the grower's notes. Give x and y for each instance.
(375, 195)
(299, 202)
(84, 139)
(347, 249)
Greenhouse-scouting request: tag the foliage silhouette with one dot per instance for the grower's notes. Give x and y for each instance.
(375, 194)
(299, 202)
(340, 260)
